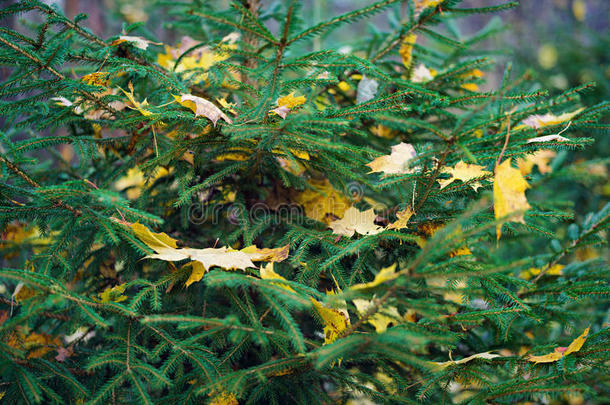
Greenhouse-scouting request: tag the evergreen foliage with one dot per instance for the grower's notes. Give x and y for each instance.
(88, 317)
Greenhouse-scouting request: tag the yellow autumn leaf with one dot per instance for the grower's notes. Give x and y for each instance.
(421, 74)
(540, 121)
(223, 398)
(382, 318)
(356, 221)
(485, 356)
(335, 320)
(230, 107)
(509, 194)
(403, 217)
(35, 344)
(138, 42)
(286, 103)
(464, 172)
(267, 273)
(385, 274)
(202, 107)
(23, 292)
(382, 131)
(322, 201)
(113, 294)
(397, 162)
(406, 49)
(197, 272)
(136, 105)
(540, 158)
(200, 58)
(554, 270)
(421, 5)
(267, 254)
(96, 79)
(134, 181)
(560, 352)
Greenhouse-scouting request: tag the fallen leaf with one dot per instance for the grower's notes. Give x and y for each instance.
(335, 320)
(464, 172)
(406, 49)
(267, 273)
(403, 217)
(286, 103)
(382, 318)
(356, 221)
(367, 90)
(421, 74)
(113, 294)
(138, 42)
(396, 162)
(223, 398)
(539, 121)
(322, 201)
(485, 355)
(136, 105)
(63, 353)
(540, 158)
(560, 352)
(267, 254)
(134, 181)
(509, 194)
(385, 274)
(549, 138)
(202, 107)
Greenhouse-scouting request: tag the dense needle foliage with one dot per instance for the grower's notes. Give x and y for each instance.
(240, 217)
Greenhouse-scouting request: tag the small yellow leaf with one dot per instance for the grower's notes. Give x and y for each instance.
(113, 294)
(385, 274)
(559, 352)
(421, 74)
(196, 274)
(579, 9)
(96, 79)
(509, 194)
(136, 105)
(267, 273)
(403, 217)
(267, 254)
(138, 42)
(470, 87)
(343, 86)
(540, 121)
(322, 201)
(396, 162)
(287, 103)
(224, 398)
(202, 107)
(356, 221)
(382, 318)
(464, 172)
(406, 49)
(555, 270)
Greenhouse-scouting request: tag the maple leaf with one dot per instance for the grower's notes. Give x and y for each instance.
(539, 121)
(509, 194)
(335, 320)
(485, 355)
(382, 318)
(138, 42)
(464, 172)
(267, 254)
(134, 181)
(286, 103)
(356, 221)
(560, 352)
(136, 105)
(385, 274)
(403, 217)
(396, 162)
(323, 200)
(540, 158)
(267, 273)
(202, 107)
(406, 49)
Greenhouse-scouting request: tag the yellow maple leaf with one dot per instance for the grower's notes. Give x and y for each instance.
(267, 273)
(356, 221)
(202, 107)
(382, 318)
(403, 217)
(96, 79)
(323, 200)
(382, 131)
(540, 158)
(136, 105)
(397, 162)
(560, 352)
(385, 274)
(134, 180)
(267, 254)
(113, 294)
(554, 270)
(485, 355)
(406, 49)
(464, 172)
(509, 194)
(335, 320)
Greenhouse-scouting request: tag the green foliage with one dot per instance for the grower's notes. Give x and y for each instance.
(88, 317)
